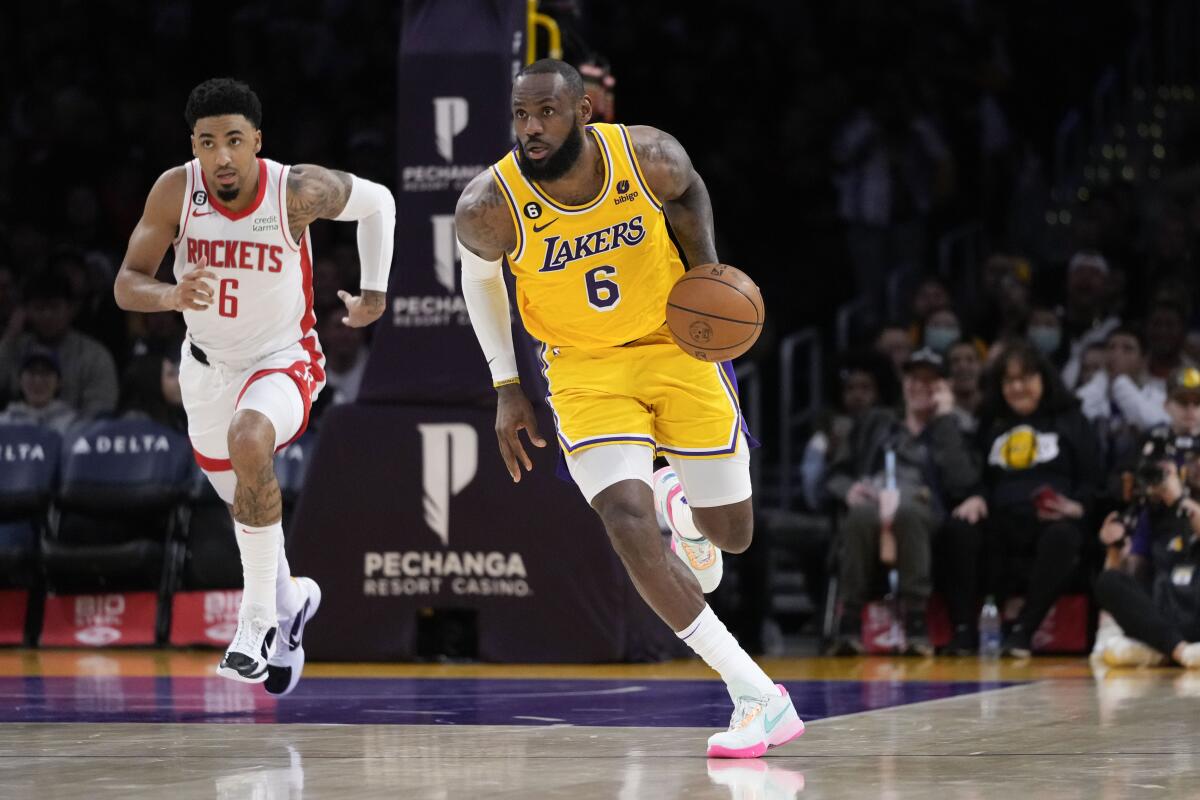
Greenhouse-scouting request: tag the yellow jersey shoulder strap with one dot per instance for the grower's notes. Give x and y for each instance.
(507, 176)
(622, 147)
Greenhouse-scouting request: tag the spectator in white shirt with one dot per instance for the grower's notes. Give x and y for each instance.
(1087, 319)
(1121, 391)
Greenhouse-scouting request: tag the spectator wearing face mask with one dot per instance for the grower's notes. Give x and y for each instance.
(942, 329)
(39, 403)
(1045, 332)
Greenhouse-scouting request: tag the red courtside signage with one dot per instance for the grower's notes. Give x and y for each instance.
(100, 620)
(13, 605)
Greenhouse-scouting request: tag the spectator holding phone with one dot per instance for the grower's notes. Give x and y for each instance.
(896, 476)
(1042, 473)
(1152, 588)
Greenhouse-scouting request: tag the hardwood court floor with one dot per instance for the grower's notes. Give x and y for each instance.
(145, 724)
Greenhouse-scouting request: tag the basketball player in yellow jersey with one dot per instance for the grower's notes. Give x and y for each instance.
(581, 214)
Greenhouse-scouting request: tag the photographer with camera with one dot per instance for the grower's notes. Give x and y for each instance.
(1151, 583)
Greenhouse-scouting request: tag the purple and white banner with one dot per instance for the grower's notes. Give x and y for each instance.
(455, 76)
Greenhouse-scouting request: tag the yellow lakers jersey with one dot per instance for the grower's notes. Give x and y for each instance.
(598, 274)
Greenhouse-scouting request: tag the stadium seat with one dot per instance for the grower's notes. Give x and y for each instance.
(30, 457)
(207, 550)
(123, 482)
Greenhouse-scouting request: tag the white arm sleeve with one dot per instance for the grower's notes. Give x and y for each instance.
(487, 304)
(373, 206)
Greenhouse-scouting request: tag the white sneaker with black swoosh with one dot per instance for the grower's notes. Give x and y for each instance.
(286, 665)
(253, 644)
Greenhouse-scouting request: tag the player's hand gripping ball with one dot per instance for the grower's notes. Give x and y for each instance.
(715, 312)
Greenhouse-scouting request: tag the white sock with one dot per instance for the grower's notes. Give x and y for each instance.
(710, 639)
(288, 595)
(260, 563)
(681, 514)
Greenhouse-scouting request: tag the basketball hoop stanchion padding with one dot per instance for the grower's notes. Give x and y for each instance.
(406, 503)
(454, 78)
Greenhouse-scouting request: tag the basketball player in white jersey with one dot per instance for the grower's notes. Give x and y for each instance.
(251, 363)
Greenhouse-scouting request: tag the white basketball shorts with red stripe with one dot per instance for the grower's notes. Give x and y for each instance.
(282, 386)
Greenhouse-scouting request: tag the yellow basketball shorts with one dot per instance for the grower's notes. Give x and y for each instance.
(646, 392)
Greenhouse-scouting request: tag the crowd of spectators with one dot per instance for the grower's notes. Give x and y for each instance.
(1008, 450)
(1059, 399)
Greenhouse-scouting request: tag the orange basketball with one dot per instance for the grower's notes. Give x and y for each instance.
(715, 312)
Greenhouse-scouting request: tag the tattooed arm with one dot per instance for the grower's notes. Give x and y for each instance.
(317, 193)
(482, 221)
(676, 183)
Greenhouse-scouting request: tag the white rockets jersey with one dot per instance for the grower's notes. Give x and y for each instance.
(263, 298)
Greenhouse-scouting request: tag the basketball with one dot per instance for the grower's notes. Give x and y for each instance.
(715, 312)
